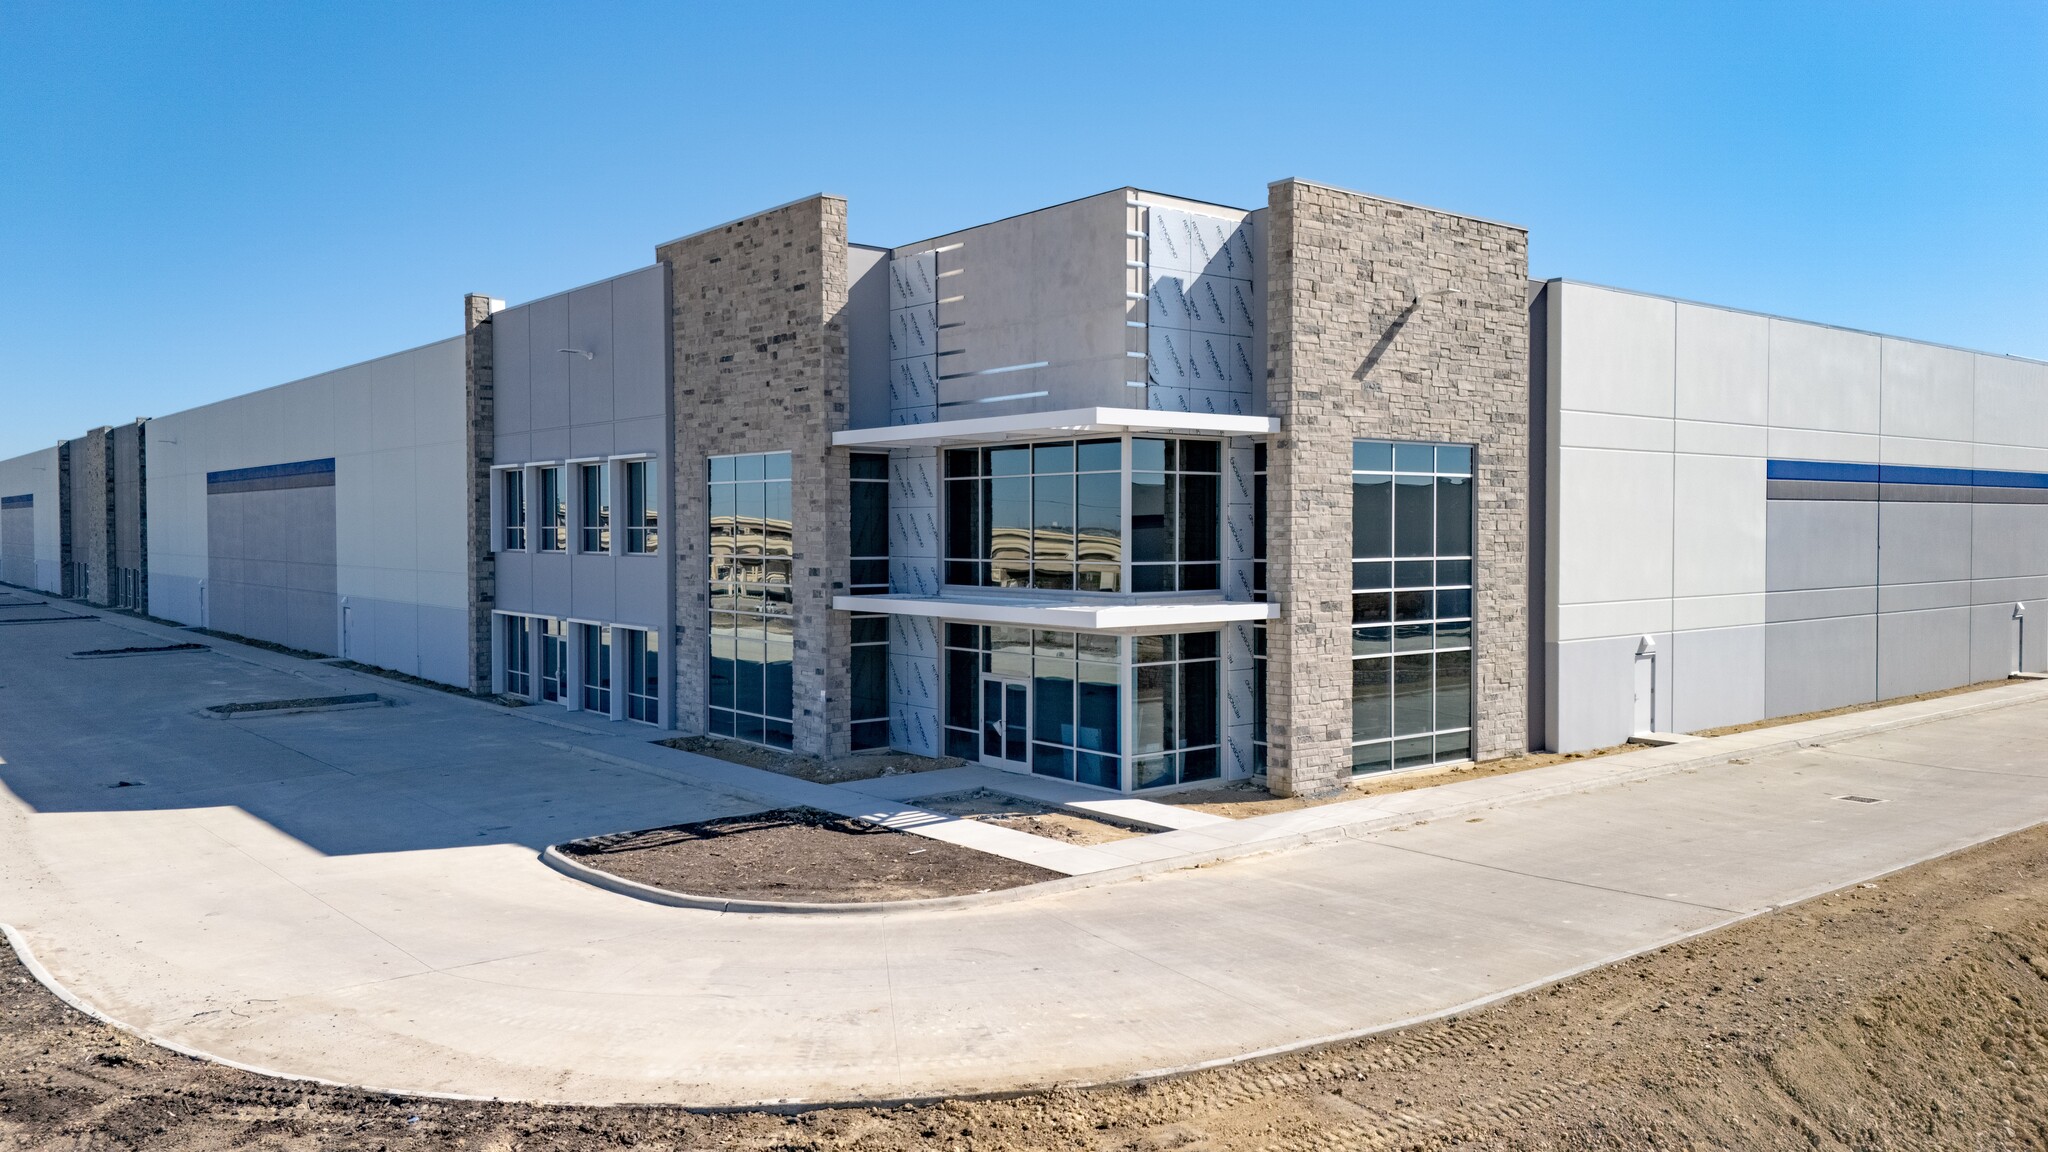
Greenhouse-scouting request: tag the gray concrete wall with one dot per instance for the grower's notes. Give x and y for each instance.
(31, 520)
(1044, 288)
(1404, 323)
(760, 364)
(552, 407)
(1670, 514)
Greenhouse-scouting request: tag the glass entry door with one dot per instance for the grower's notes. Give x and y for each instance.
(1005, 723)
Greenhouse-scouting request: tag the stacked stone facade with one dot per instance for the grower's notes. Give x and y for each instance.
(760, 365)
(89, 516)
(1388, 321)
(480, 404)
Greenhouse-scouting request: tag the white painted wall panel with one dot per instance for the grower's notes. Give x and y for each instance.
(36, 474)
(1613, 526)
(1718, 536)
(1617, 352)
(1823, 378)
(1723, 364)
(1928, 391)
(2011, 402)
(396, 429)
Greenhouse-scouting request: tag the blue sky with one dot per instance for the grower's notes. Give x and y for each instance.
(201, 199)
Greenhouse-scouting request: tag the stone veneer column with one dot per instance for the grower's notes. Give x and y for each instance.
(481, 407)
(1388, 321)
(760, 365)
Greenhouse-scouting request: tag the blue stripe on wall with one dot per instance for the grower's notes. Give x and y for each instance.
(1902, 474)
(271, 471)
(25, 500)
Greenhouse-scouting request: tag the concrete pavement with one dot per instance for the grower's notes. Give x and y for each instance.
(355, 895)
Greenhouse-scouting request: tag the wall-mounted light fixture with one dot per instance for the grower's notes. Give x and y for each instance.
(587, 355)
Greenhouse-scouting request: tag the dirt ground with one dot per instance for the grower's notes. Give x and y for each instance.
(800, 855)
(1910, 1014)
(818, 770)
(1026, 816)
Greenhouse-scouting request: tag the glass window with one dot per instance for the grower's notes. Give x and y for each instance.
(597, 668)
(554, 511)
(643, 509)
(751, 639)
(1075, 729)
(518, 656)
(596, 481)
(643, 675)
(554, 660)
(1176, 709)
(870, 676)
(1051, 516)
(868, 534)
(514, 496)
(1259, 527)
(1411, 604)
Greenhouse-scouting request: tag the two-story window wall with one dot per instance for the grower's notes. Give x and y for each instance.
(1123, 514)
(1411, 605)
(868, 537)
(751, 636)
(545, 650)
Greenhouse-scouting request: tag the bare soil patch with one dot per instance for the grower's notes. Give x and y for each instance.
(816, 769)
(800, 855)
(1908, 1015)
(1023, 815)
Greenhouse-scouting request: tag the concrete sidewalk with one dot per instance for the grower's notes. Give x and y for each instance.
(355, 895)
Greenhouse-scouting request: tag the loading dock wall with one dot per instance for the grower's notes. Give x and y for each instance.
(1797, 517)
(31, 521)
(395, 430)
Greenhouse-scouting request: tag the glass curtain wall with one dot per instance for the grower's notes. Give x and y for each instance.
(1076, 684)
(1175, 502)
(868, 539)
(1177, 734)
(751, 636)
(1036, 516)
(1411, 605)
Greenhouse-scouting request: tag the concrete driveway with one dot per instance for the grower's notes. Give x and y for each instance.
(355, 896)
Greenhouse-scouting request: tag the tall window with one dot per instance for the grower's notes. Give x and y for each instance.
(868, 500)
(1036, 516)
(1175, 542)
(597, 668)
(1259, 520)
(1175, 679)
(868, 536)
(751, 639)
(554, 511)
(596, 482)
(1411, 605)
(870, 682)
(515, 509)
(643, 508)
(518, 656)
(554, 660)
(643, 675)
(1259, 741)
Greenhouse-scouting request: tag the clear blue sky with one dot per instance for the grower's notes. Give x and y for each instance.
(201, 199)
